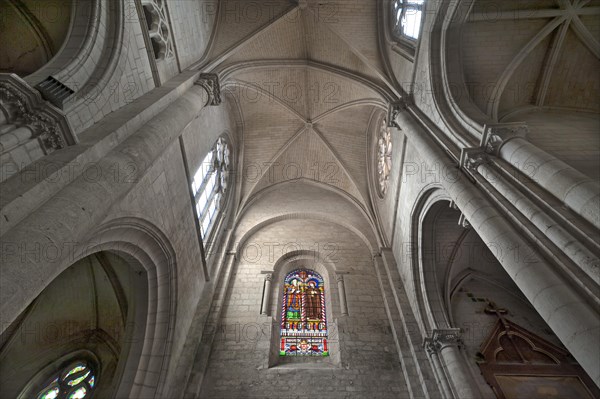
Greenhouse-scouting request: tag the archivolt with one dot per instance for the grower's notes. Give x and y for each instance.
(144, 244)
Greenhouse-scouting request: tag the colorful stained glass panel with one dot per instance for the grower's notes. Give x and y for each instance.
(79, 393)
(51, 393)
(74, 382)
(77, 380)
(303, 316)
(74, 370)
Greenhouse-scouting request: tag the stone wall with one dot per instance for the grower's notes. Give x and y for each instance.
(366, 363)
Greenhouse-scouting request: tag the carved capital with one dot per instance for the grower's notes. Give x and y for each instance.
(495, 136)
(25, 107)
(472, 158)
(268, 274)
(441, 339)
(210, 83)
(394, 109)
(430, 346)
(463, 222)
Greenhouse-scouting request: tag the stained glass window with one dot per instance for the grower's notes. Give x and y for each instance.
(210, 184)
(407, 17)
(303, 320)
(73, 382)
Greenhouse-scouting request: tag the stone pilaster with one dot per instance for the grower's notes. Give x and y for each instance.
(339, 278)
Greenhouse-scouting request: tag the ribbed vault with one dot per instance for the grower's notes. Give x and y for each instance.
(306, 109)
(546, 54)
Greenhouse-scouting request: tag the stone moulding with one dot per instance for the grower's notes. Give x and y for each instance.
(495, 136)
(442, 338)
(210, 82)
(471, 158)
(25, 106)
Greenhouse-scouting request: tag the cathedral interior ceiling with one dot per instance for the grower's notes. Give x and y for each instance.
(551, 43)
(306, 110)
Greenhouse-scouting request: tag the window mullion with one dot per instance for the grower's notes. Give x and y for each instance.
(206, 179)
(208, 201)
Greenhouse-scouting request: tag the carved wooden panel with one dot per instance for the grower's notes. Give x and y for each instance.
(518, 364)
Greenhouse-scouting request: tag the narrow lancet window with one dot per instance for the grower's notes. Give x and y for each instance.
(210, 185)
(303, 316)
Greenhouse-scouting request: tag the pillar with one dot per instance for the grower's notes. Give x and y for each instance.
(577, 191)
(573, 319)
(444, 350)
(565, 241)
(438, 370)
(79, 207)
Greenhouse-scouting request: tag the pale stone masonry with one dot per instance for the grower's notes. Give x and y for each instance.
(484, 131)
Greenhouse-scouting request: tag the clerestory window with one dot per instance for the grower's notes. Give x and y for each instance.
(210, 185)
(407, 18)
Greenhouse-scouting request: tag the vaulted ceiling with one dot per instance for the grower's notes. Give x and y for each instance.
(522, 54)
(309, 83)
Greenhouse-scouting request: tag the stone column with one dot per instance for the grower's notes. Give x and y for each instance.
(438, 369)
(444, 347)
(342, 293)
(264, 309)
(572, 318)
(577, 191)
(575, 250)
(70, 215)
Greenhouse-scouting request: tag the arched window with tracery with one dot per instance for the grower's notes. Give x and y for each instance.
(210, 186)
(303, 317)
(76, 381)
(407, 16)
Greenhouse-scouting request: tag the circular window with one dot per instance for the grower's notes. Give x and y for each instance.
(76, 381)
(384, 156)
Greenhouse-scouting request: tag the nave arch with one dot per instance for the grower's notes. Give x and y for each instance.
(125, 278)
(462, 290)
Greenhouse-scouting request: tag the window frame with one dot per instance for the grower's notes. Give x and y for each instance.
(286, 334)
(213, 171)
(404, 44)
(58, 378)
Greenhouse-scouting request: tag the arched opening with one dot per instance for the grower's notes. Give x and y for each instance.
(36, 30)
(209, 187)
(466, 288)
(75, 338)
